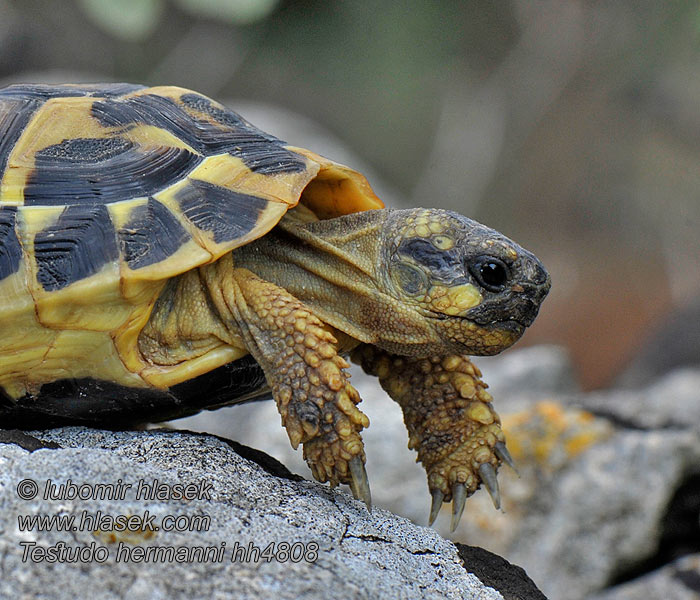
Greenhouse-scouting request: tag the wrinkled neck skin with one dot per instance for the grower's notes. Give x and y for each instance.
(336, 268)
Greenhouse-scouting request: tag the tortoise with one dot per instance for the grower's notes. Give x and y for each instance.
(160, 255)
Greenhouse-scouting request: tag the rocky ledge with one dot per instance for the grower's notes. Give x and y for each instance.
(167, 514)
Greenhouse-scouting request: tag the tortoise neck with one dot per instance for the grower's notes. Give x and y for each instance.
(331, 265)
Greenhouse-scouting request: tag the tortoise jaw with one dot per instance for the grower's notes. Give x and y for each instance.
(500, 336)
(464, 336)
(513, 326)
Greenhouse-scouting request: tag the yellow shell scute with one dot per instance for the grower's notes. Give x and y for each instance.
(58, 119)
(281, 191)
(336, 190)
(164, 377)
(95, 303)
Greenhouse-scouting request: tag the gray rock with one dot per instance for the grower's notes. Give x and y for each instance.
(531, 372)
(575, 524)
(603, 512)
(677, 581)
(671, 402)
(359, 555)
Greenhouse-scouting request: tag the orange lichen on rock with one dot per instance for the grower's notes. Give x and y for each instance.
(550, 434)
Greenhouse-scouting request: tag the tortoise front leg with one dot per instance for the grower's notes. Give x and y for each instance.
(450, 422)
(307, 377)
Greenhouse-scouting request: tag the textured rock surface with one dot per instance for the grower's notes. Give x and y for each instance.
(602, 513)
(608, 487)
(359, 555)
(677, 581)
(671, 402)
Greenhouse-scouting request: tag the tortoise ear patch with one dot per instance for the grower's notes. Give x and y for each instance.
(103, 170)
(152, 235)
(78, 245)
(424, 252)
(10, 248)
(228, 215)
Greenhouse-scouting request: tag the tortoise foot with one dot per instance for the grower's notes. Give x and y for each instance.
(450, 420)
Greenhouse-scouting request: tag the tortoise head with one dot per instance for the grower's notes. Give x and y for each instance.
(476, 289)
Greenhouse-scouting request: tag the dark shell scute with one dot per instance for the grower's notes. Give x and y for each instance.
(47, 91)
(152, 235)
(10, 247)
(85, 150)
(98, 171)
(148, 109)
(227, 214)
(224, 116)
(260, 152)
(266, 159)
(15, 113)
(77, 246)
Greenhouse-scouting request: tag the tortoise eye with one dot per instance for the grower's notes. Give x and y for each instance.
(490, 272)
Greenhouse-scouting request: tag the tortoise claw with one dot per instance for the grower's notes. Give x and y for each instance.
(488, 476)
(459, 497)
(438, 497)
(501, 451)
(359, 484)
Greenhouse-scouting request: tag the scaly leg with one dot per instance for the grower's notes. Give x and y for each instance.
(298, 354)
(450, 422)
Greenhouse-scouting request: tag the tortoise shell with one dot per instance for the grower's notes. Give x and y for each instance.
(107, 191)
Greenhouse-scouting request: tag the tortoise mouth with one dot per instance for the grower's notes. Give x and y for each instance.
(480, 339)
(503, 335)
(510, 325)
(515, 313)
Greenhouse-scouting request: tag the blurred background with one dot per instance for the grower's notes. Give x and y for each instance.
(571, 126)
